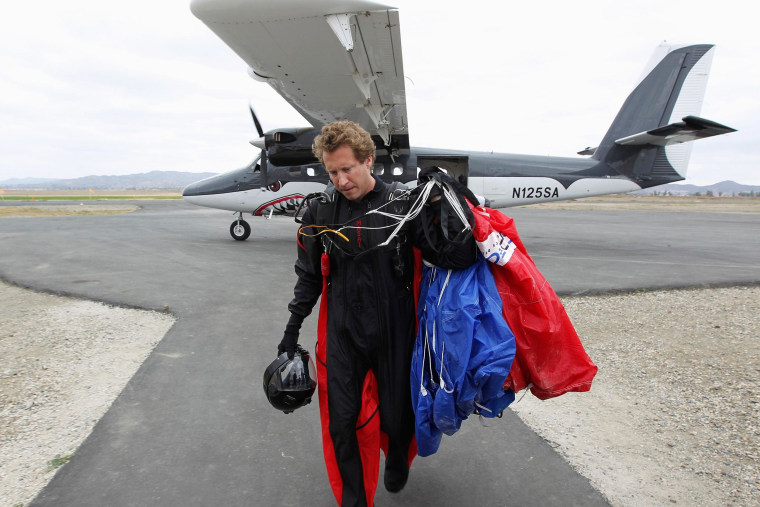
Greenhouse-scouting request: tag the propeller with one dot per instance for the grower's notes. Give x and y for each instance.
(260, 142)
(287, 146)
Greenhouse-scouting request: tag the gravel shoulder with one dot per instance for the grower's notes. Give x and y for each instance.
(672, 417)
(62, 363)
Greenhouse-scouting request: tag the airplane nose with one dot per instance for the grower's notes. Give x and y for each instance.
(213, 185)
(193, 189)
(233, 181)
(224, 191)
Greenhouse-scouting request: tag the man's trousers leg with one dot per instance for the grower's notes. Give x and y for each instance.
(345, 379)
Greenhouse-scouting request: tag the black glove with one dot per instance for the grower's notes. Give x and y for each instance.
(289, 341)
(427, 173)
(288, 344)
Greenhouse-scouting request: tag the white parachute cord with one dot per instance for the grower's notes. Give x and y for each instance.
(415, 210)
(433, 346)
(440, 375)
(425, 355)
(443, 342)
(430, 355)
(456, 205)
(445, 285)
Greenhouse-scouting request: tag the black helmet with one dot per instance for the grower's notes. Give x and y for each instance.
(289, 383)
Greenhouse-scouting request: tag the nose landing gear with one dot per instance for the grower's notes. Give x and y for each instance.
(240, 230)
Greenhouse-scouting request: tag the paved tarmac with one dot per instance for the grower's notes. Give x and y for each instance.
(193, 428)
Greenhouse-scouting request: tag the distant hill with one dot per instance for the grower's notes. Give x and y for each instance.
(15, 182)
(723, 188)
(159, 180)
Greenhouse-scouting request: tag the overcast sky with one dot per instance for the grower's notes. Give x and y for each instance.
(93, 87)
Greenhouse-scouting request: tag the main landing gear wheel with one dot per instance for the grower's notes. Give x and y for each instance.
(240, 230)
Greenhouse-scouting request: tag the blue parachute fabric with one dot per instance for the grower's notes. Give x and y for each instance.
(428, 435)
(463, 352)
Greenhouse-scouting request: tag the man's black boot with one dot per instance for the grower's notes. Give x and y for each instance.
(396, 471)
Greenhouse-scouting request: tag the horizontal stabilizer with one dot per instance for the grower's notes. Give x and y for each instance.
(691, 128)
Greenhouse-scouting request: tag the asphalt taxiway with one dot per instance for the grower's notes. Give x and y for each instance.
(192, 427)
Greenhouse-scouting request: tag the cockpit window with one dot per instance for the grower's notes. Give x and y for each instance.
(255, 166)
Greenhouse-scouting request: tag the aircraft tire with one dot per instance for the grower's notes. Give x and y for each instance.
(240, 230)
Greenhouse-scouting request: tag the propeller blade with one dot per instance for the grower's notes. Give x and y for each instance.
(259, 130)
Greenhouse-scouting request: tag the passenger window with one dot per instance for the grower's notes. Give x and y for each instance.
(378, 169)
(310, 171)
(398, 170)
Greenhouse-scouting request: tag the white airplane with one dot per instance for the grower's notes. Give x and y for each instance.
(351, 68)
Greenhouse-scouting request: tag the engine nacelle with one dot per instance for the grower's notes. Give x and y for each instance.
(291, 147)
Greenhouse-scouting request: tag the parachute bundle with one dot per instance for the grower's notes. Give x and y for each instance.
(487, 332)
(462, 355)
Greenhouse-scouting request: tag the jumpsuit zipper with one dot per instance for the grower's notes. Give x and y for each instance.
(385, 350)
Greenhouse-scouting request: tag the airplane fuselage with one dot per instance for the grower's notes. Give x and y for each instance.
(503, 180)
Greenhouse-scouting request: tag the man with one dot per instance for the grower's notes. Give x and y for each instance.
(371, 317)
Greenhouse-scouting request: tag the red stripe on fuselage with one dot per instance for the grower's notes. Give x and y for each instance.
(258, 212)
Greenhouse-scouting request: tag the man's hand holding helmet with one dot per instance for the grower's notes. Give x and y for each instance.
(288, 344)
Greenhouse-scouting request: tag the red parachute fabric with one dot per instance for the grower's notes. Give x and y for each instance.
(368, 433)
(550, 358)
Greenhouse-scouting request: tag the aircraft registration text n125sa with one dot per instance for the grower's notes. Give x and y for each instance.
(535, 192)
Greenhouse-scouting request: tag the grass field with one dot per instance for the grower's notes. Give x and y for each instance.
(80, 195)
(65, 210)
(86, 197)
(89, 203)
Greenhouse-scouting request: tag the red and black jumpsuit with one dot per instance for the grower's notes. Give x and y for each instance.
(370, 321)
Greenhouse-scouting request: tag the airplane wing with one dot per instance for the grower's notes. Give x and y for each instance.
(689, 129)
(331, 60)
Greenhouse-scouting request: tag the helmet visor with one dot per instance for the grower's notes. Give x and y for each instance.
(296, 375)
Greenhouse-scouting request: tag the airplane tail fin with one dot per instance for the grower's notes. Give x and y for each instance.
(648, 140)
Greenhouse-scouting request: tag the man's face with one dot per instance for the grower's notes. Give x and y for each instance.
(350, 176)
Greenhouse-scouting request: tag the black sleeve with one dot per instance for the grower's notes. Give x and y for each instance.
(308, 268)
(457, 252)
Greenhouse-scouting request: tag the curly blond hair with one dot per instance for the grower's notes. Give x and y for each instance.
(336, 134)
